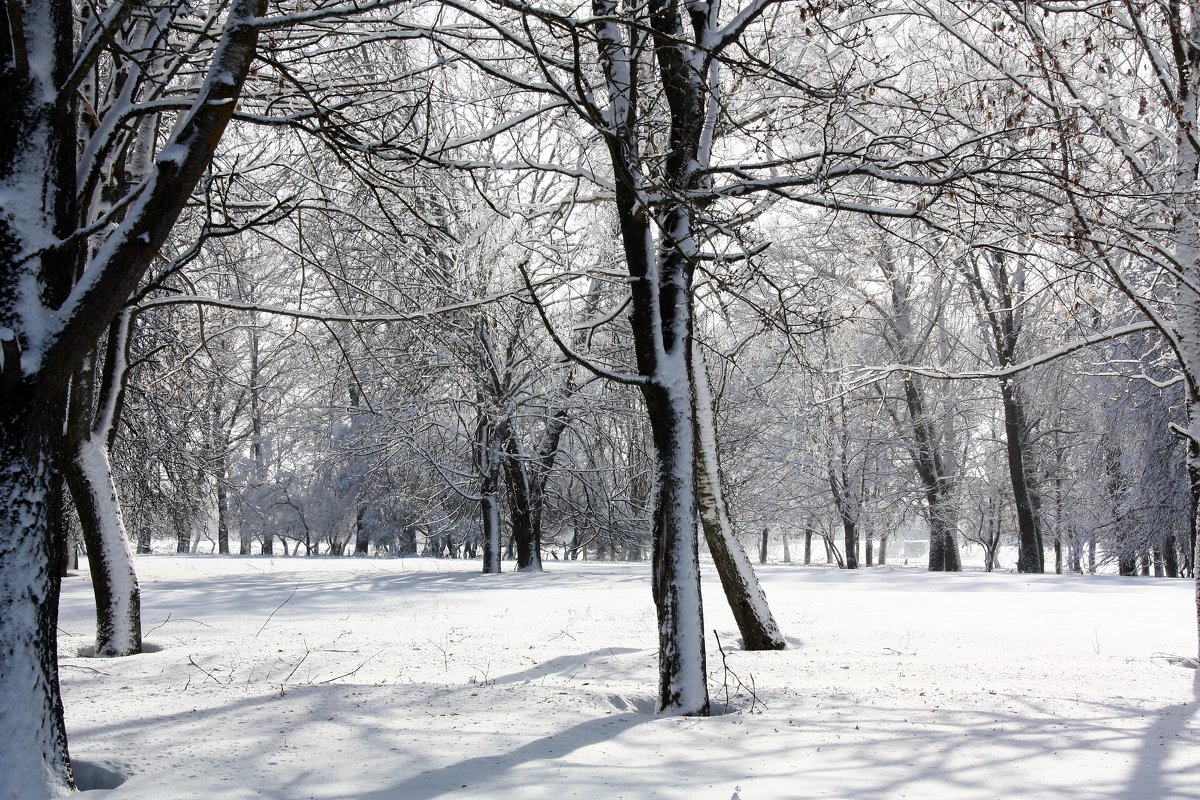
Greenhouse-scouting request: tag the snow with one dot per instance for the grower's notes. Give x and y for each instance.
(406, 679)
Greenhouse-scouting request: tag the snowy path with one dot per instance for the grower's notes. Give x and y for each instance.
(389, 680)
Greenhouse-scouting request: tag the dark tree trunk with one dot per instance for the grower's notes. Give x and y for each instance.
(869, 544)
(489, 511)
(524, 511)
(850, 536)
(362, 542)
(762, 546)
(808, 534)
(943, 545)
(183, 537)
(222, 517)
(1030, 557)
(1171, 555)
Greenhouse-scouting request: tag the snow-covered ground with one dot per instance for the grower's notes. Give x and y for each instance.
(403, 680)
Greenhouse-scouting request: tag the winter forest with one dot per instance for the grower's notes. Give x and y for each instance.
(556, 300)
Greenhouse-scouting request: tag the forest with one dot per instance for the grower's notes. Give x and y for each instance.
(857, 283)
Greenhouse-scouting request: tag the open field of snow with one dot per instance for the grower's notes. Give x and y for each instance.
(405, 680)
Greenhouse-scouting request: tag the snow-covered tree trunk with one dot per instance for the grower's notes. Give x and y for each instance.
(50, 320)
(33, 747)
(114, 581)
(660, 280)
(94, 407)
(742, 589)
(676, 572)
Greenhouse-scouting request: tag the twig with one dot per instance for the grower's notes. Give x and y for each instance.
(180, 619)
(750, 690)
(298, 663)
(351, 672)
(281, 605)
(202, 669)
(80, 666)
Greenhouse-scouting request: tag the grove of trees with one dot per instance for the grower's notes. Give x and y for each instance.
(521, 282)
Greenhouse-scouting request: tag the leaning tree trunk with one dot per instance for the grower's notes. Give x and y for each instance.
(114, 581)
(742, 589)
(87, 471)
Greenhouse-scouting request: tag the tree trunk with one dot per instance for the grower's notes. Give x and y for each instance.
(223, 498)
(883, 540)
(524, 510)
(787, 553)
(489, 511)
(362, 542)
(33, 748)
(183, 537)
(808, 534)
(869, 544)
(222, 518)
(943, 544)
(682, 686)
(850, 535)
(762, 546)
(114, 581)
(660, 285)
(1030, 557)
(743, 592)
